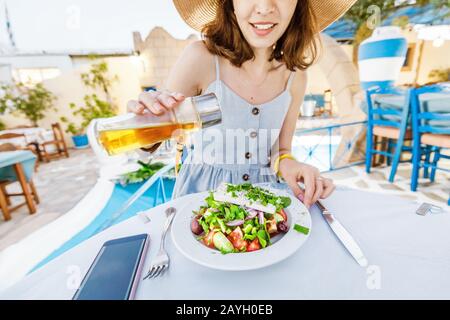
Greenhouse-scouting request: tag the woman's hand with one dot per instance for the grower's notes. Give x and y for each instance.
(156, 102)
(315, 186)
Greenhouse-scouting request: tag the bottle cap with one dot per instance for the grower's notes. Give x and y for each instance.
(208, 109)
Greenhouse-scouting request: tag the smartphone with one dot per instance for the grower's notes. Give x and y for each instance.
(115, 272)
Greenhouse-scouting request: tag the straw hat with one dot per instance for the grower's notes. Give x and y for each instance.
(197, 13)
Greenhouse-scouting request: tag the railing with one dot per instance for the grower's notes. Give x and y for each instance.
(322, 150)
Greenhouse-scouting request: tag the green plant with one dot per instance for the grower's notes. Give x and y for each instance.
(94, 107)
(145, 172)
(31, 101)
(2, 125)
(439, 75)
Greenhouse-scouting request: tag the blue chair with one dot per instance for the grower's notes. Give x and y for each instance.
(387, 121)
(431, 128)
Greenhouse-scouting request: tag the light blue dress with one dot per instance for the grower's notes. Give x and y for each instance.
(237, 150)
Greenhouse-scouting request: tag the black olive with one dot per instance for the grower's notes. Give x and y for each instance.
(196, 228)
(283, 227)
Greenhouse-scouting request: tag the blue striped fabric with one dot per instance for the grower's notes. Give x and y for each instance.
(382, 49)
(383, 84)
(381, 56)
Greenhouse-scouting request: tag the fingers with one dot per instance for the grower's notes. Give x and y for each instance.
(328, 188)
(167, 100)
(156, 102)
(319, 190)
(178, 96)
(309, 181)
(296, 190)
(150, 101)
(135, 107)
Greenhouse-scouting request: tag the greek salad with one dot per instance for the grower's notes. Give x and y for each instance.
(240, 218)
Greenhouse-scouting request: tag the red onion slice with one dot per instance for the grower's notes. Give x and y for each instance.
(251, 214)
(261, 217)
(235, 223)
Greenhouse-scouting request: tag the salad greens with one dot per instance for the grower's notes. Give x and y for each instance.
(143, 173)
(301, 229)
(232, 228)
(259, 194)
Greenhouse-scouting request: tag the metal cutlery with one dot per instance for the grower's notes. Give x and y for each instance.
(343, 235)
(161, 262)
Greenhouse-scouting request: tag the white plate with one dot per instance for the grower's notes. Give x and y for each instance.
(281, 248)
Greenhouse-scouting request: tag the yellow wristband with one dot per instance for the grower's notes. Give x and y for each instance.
(276, 164)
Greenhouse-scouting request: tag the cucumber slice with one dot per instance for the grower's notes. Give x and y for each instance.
(222, 243)
(222, 225)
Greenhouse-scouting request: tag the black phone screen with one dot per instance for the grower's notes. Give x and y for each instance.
(113, 272)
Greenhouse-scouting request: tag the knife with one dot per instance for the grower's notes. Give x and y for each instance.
(343, 235)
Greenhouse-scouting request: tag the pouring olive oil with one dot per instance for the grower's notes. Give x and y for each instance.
(131, 131)
(123, 140)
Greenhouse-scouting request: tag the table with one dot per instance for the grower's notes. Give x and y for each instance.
(17, 165)
(409, 257)
(431, 102)
(32, 135)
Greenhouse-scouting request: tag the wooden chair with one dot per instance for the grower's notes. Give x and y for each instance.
(5, 196)
(58, 142)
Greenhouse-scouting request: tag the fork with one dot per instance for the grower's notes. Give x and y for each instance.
(161, 262)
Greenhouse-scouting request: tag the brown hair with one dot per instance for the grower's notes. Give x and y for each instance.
(296, 48)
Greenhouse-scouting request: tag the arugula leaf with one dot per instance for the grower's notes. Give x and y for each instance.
(285, 201)
(204, 226)
(250, 237)
(262, 238)
(301, 229)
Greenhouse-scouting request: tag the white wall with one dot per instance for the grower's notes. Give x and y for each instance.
(62, 62)
(69, 88)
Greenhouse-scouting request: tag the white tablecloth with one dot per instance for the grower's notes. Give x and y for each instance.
(409, 258)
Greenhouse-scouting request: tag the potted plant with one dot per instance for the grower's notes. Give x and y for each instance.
(30, 101)
(94, 107)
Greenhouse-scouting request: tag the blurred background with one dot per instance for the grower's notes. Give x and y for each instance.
(64, 63)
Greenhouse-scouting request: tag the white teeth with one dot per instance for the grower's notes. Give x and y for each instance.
(263, 26)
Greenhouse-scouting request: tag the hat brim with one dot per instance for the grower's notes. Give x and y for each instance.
(197, 13)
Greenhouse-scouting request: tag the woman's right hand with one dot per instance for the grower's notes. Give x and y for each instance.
(157, 102)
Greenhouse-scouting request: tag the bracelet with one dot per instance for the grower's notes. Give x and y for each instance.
(276, 164)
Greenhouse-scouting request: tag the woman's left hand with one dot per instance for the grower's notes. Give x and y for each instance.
(316, 186)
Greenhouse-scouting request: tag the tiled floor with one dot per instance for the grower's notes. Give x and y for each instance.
(62, 183)
(377, 181)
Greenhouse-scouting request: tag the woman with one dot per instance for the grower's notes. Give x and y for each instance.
(253, 57)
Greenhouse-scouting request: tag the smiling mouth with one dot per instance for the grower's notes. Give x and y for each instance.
(263, 26)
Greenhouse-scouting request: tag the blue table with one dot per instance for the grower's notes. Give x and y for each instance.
(431, 102)
(17, 166)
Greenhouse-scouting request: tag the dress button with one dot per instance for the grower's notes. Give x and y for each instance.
(255, 111)
(248, 155)
(245, 177)
(253, 134)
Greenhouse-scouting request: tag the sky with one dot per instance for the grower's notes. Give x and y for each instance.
(86, 25)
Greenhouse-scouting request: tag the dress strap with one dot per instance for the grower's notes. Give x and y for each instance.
(218, 85)
(216, 59)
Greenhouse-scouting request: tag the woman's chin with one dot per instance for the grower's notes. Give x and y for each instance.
(259, 44)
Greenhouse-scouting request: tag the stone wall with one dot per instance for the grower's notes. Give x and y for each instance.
(158, 52)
